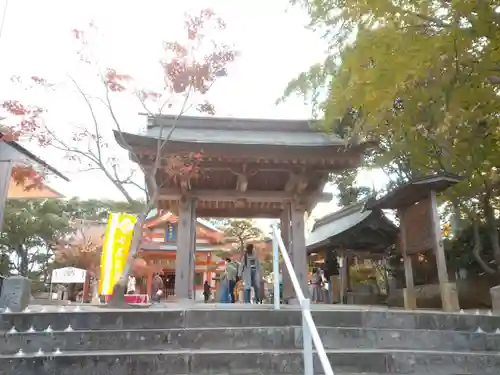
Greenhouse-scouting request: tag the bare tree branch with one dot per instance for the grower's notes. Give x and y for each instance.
(94, 118)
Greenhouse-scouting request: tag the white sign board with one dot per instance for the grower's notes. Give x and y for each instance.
(68, 275)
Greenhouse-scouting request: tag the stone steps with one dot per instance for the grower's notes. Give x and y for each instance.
(271, 362)
(246, 341)
(101, 319)
(246, 338)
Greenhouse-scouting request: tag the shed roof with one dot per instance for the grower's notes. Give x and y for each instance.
(326, 229)
(414, 191)
(36, 159)
(336, 223)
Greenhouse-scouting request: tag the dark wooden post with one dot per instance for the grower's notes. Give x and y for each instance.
(192, 254)
(6, 163)
(184, 277)
(449, 294)
(286, 232)
(344, 275)
(298, 248)
(410, 300)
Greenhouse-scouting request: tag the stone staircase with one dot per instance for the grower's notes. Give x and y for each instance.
(246, 341)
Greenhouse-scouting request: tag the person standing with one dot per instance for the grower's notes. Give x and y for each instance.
(206, 291)
(157, 290)
(131, 285)
(224, 286)
(232, 273)
(250, 272)
(316, 286)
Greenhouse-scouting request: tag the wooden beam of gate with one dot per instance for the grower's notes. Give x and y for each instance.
(232, 195)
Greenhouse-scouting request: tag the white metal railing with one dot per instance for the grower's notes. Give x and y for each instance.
(309, 331)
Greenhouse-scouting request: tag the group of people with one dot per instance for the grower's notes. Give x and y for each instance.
(247, 272)
(245, 275)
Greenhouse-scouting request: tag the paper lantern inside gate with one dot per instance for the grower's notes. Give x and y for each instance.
(139, 268)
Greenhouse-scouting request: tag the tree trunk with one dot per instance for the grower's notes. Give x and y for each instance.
(492, 229)
(385, 275)
(456, 225)
(478, 248)
(23, 260)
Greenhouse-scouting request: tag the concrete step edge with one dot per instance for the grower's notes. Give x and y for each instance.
(246, 351)
(245, 328)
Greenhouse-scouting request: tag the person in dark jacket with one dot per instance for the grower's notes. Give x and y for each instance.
(157, 288)
(206, 291)
(250, 272)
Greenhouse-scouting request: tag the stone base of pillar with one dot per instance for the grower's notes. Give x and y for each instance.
(292, 301)
(16, 293)
(410, 299)
(495, 299)
(449, 297)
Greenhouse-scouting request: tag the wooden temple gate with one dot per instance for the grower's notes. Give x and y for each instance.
(247, 168)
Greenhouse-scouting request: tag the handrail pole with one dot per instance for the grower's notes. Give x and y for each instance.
(307, 339)
(276, 272)
(318, 344)
(308, 325)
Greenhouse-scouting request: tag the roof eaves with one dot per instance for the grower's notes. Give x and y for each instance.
(36, 159)
(336, 215)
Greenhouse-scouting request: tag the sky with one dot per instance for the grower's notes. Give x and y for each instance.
(270, 36)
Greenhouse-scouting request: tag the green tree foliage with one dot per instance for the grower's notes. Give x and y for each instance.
(266, 264)
(243, 231)
(348, 193)
(99, 210)
(478, 261)
(421, 79)
(29, 229)
(32, 228)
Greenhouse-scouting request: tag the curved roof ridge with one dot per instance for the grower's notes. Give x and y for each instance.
(348, 210)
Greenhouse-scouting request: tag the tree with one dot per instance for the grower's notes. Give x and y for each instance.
(20, 121)
(38, 233)
(348, 192)
(422, 80)
(243, 231)
(190, 68)
(30, 229)
(82, 248)
(95, 210)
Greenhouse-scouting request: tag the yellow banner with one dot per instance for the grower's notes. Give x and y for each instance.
(115, 250)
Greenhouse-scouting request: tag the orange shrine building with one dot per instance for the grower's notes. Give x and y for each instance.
(159, 247)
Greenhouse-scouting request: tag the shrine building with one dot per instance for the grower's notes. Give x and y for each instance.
(159, 247)
(248, 168)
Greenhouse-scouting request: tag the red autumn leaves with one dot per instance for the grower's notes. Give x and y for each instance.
(189, 66)
(26, 122)
(116, 82)
(184, 166)
(183, 70)
(25, 175)
(185, 67)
